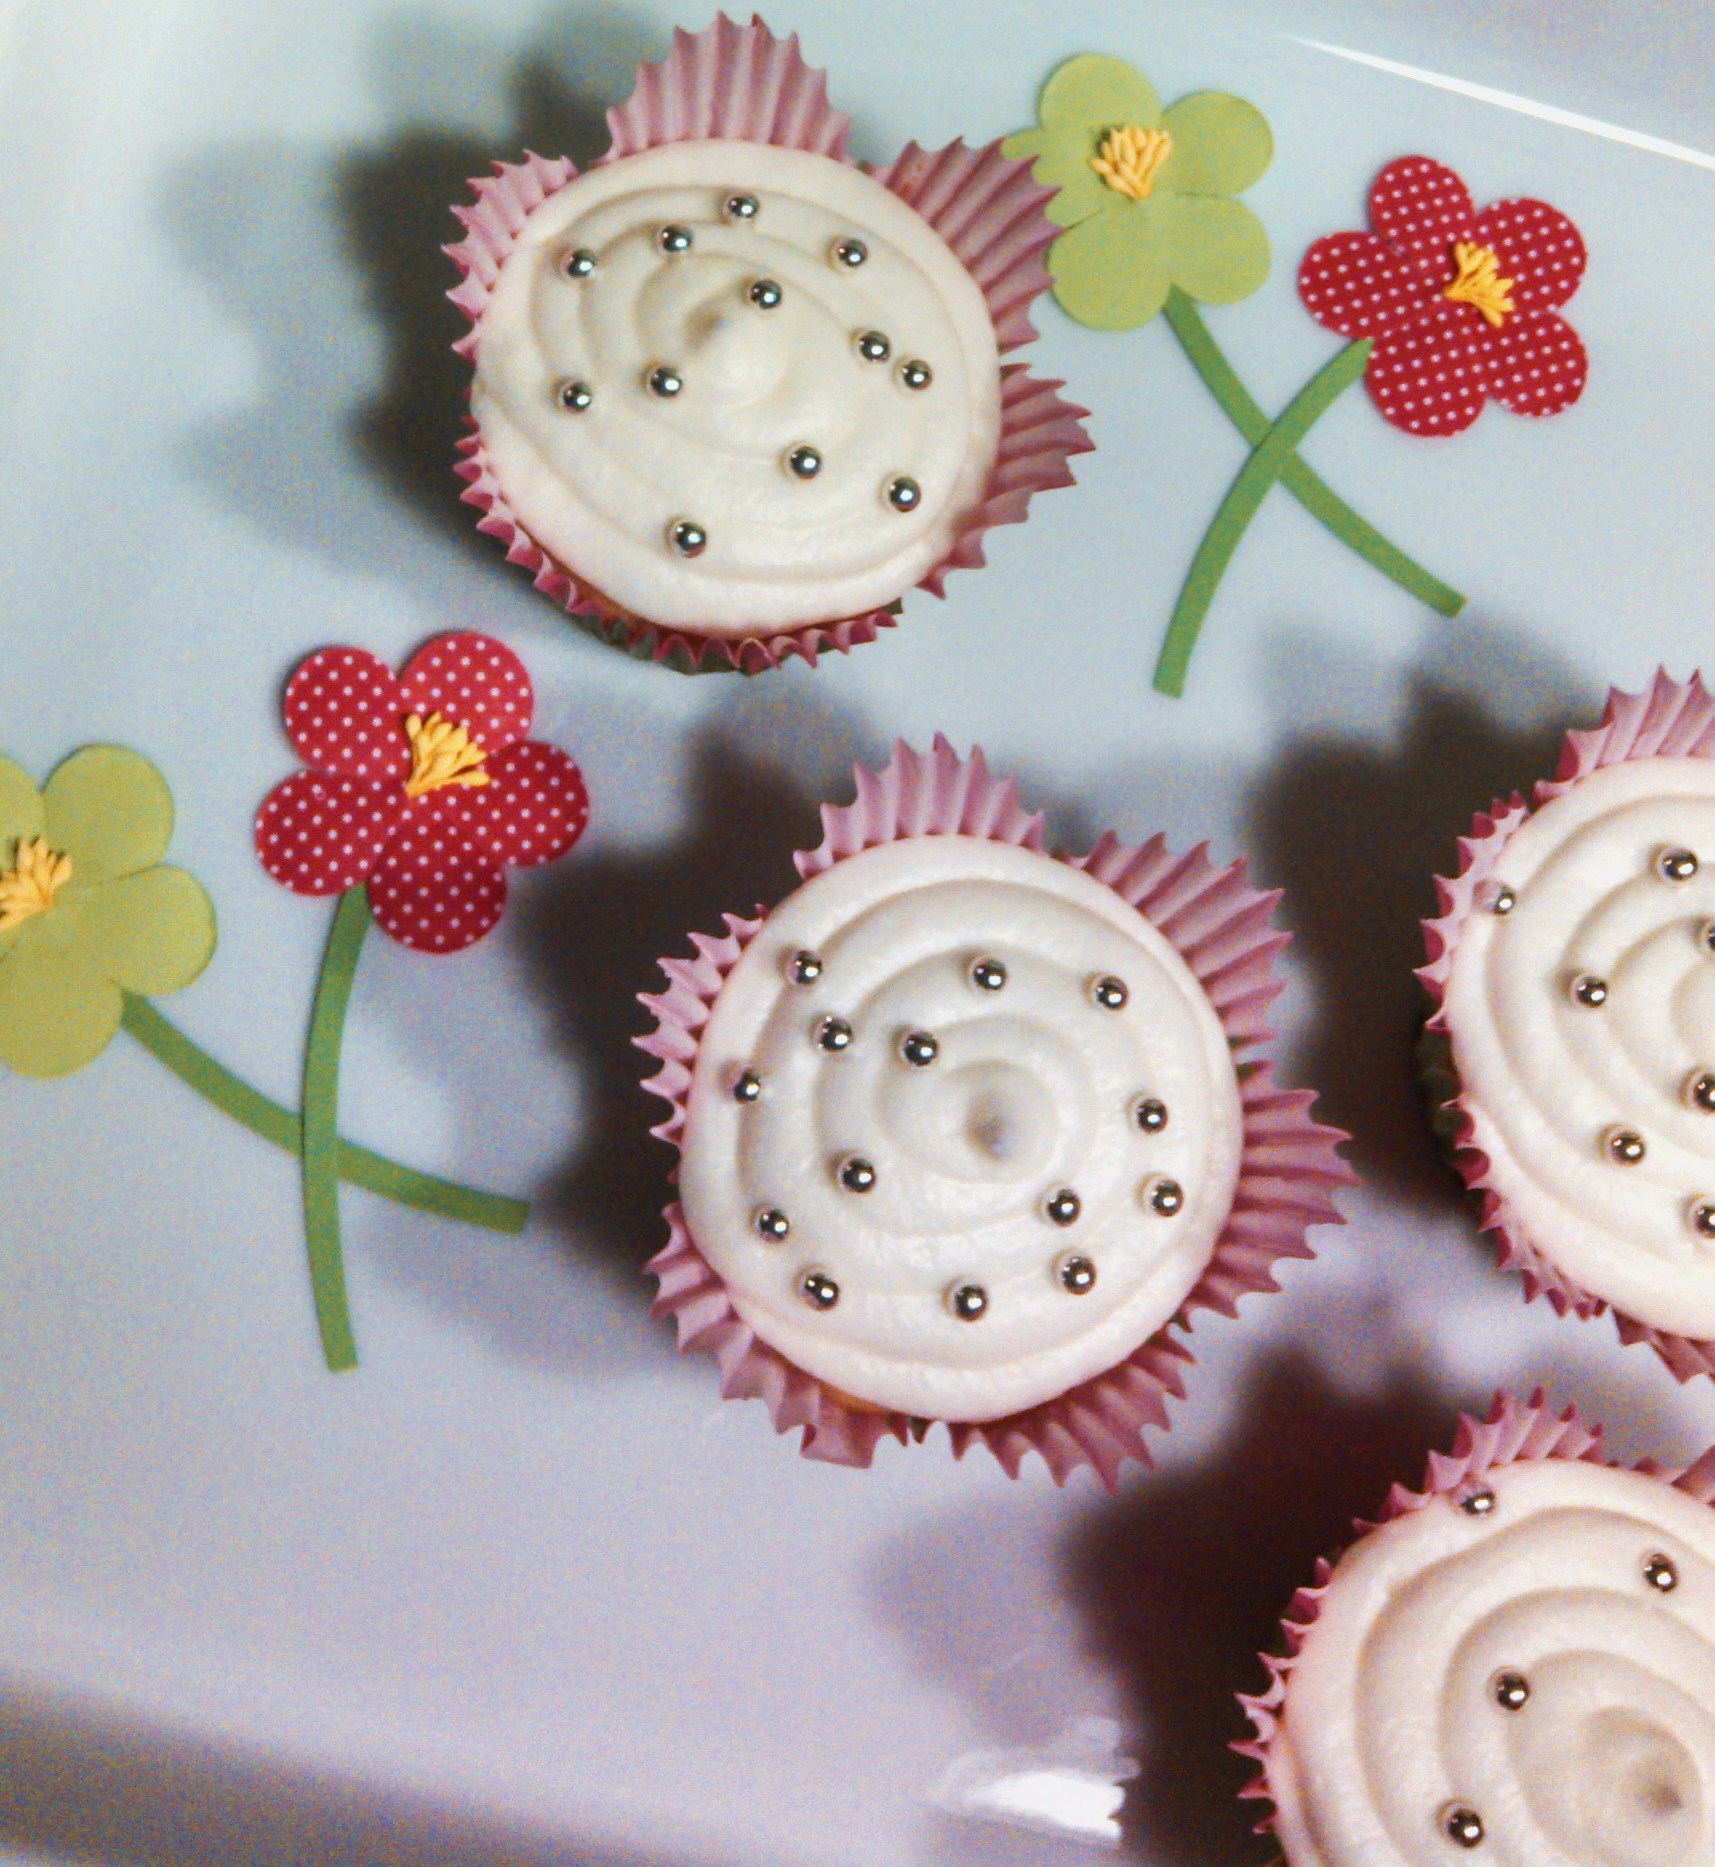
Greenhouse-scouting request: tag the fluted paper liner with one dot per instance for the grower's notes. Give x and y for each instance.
(1287, 1172)
(740, 82)
(1515, 1431)
(1672, 719)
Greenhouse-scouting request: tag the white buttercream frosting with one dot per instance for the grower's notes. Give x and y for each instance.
(1551, 1084)
(1034, 1090)
(601, 486)
(1394, 1723)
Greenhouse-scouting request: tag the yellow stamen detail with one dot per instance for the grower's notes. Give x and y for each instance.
(1130, 157)
(442, 754)
(29, 886)
(1477, 281)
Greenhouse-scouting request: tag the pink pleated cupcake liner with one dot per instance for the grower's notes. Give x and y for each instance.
(1672, 719)
(740, 82)
(1515, 1432)
(1288, 1169)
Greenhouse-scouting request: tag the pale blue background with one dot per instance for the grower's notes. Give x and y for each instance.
(523, 1589)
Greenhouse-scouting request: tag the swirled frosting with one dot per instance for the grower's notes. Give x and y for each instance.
(1532, 1685)
(963, 1129)
(762, 345)
(1582, 1016)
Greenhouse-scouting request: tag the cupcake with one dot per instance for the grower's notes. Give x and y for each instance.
(1573, 973)
(734, 395)
(1518, 1661)
(967, 1131)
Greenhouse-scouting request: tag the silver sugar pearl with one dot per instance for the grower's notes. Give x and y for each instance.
(833, 1035)
(1110, 993)
(968, 1301)
(1497, 897)
(873, 347)
(804, 968)
(1076, 1274)
(856, 1174)
(1700, 1091)
(919, 1049)
(771, 1223)
(687, 537)
(1511, 1690)
(1706, 936)
(819, 1290)
(764, 294)
(1676, 865)
(741, 207)
(987, 975)
(803, 461)
(1478, 1503)
(1062, 1206)
(746, 1086)
(663, 380)
(1464, 1826)
(578, 264)
(673, 239)
(574, 396)
(1661, 1575)
(1700, 1215)
(850, 252)
(915, 373)
(903, 493)
(1588, 990)
(1165, 1196)
(1149, 1114)
(1624, 1146)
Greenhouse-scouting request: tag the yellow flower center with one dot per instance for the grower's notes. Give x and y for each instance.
(1477, 281)
(442, 754)
(1130, 157)
(29, 886)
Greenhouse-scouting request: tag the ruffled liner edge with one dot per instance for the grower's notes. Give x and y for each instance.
(1288, 1169)
(741, 82)
(1514, 1431)
(1671, 719)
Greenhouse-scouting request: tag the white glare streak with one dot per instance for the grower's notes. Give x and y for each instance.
(1527, 107)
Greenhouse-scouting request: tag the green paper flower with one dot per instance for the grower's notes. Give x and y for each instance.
(87, 911)
(1145, 193)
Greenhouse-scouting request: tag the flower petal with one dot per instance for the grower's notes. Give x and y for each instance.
(1420, 208)
(322, 833)
(1535, 364)
(1216, 248)
(1111, 272)
(534, 808)
(432, 890)
(474, 681)
(1536, 247)
(110, 811)
(345, 712)
(1094, 92)
(1357, 285)
(149, 933)
(1430, 377)
(1221, 144)
(1061, 161)
(58, 1009)
(20, 809)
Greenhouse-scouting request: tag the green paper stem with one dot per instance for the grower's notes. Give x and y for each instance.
(1301, 481)
(1236, 511)
(283, 1128)
(321, 1127)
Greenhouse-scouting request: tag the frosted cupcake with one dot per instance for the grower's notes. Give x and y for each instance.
(1573, 968)
(967, 1131)
(1517, 1662)
(735, 395)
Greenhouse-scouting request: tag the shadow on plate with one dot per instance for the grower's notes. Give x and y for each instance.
(82, 1784)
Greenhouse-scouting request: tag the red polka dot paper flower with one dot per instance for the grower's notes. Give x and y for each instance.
(1459, 307)
(421, 785)
(420, 790)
